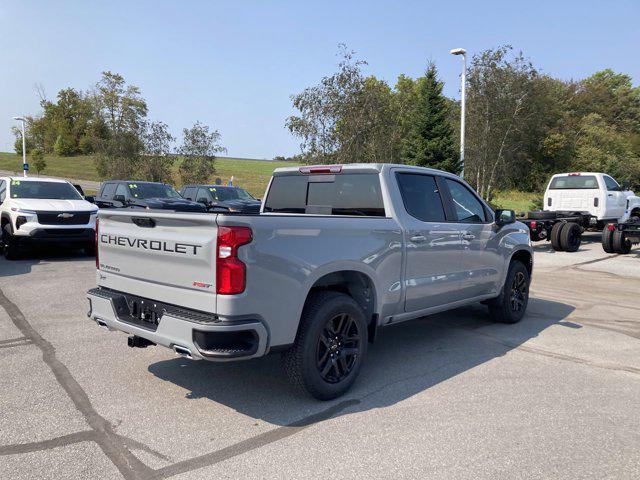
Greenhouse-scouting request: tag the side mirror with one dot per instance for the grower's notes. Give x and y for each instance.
(203, 201)
(625, 185)
(119, 198)
(90, 198)
(505, 217)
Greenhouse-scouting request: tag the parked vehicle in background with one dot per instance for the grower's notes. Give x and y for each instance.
(233, 199)
(147, 195)
(336, 253)
(36, 211)
(575, 202)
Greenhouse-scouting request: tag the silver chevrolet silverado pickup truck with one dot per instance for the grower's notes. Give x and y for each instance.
(336, 253)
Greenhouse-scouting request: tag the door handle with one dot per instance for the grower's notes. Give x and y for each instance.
(468, 236)
(418, 238)
(610, 195)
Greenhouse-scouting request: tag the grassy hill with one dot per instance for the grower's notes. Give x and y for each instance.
(250, 174)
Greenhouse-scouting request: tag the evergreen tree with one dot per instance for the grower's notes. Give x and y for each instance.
(429, 140)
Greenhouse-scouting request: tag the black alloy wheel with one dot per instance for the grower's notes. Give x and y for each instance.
(519, 292)
(338, 348)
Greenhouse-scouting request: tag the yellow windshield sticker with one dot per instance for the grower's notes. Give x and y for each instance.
(15, 182)
(133, 185)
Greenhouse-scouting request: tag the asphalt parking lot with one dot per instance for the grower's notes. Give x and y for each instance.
(448, 396)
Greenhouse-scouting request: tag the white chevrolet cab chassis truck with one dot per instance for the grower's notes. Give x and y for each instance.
(575, 202)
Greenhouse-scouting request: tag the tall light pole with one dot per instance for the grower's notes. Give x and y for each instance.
(24, 146)
(463, 84)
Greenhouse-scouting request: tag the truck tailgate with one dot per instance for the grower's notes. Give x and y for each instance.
(159, 255)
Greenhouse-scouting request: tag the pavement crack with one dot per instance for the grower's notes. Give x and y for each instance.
(15, 342)
(84, 436)
(252, 443)
(110, 443)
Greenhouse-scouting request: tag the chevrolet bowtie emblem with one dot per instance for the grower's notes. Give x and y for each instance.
(65, 215)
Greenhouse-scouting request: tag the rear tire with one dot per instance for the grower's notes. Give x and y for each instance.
(607, 240)
(10, 243)
(330, 346)
(621, 244)
(556, 231)
(512, 303)
(571, 237)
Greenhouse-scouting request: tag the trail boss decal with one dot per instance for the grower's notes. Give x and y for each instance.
(157, 245)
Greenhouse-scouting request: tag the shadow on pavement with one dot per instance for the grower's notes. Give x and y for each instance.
(29, 258)
(407, 359)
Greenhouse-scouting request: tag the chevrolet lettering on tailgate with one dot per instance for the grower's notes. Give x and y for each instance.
(143, 244)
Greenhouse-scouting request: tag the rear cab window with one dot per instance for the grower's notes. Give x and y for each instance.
(574, 182)
(352, 194)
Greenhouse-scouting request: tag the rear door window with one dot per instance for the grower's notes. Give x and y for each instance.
(342, 194)
(574, 182)
(3, 190)
(421, 197)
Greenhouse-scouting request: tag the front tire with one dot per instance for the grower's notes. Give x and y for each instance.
(10, 243)
(330, 346)
(512, 303)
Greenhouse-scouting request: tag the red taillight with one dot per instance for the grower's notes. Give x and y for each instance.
(230, 271)
(611, 227)
(534, 225)
(96, 243)
(321, 170)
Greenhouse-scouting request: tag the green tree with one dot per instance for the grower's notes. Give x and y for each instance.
(601, 147)
(156, 164)
(198, 151)
(38, 161)
(122, 112)
(429, 140)
(500, 89)
(347, 117)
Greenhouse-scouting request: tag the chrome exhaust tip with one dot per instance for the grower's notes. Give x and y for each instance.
(182, 351)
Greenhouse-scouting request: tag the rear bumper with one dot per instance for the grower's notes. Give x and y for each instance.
(189, 333)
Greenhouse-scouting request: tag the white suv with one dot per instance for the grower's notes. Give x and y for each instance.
(38, 210)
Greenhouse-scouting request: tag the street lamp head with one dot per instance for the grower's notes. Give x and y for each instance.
(21, 119)
(458, 51)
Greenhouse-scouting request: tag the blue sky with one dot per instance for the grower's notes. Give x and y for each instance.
(233, 65)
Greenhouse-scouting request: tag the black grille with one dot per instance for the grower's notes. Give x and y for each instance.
(63, 218)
